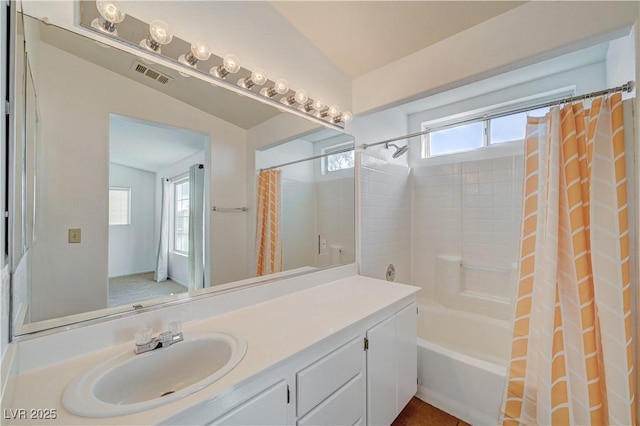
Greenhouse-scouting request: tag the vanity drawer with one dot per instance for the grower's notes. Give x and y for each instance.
(322, 378)
(345, 407)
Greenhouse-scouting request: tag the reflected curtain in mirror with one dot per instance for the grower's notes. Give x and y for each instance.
(268, 223)
(196, 227)
(162, 263)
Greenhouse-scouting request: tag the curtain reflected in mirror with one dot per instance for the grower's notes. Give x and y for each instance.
(269, 223)
(313, 197)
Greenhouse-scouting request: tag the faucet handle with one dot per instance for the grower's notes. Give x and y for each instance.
(175, 327)
(144, 336)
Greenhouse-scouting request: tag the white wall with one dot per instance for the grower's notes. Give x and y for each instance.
(131, 247)
(621, 67)
(298, 223)
(521, 36)
(75, 193)
(284, 153)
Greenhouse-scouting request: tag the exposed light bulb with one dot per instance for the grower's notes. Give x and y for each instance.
(300, 97)
(111, 11)
(159, 34)
(334, 110)
(110, 14)
(230, 65)
(280, 87)
(318, 104)
(344, 117)
(258, 77)
(199, 52)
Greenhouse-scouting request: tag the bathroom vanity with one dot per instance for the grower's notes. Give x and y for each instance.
(342, 352)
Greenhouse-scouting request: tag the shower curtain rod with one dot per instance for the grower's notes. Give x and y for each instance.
(627, 87)
(308, 159)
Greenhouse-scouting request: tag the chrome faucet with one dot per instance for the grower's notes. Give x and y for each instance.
(145, 341)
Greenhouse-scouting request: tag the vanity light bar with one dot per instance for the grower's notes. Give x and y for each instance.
(191, 55)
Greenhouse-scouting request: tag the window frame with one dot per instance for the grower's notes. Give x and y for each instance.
(426, 138)
(485, 116)
(175, 182)
(333, 149)
(126, 189)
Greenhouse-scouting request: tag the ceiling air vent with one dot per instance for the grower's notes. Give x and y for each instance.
(143, 69)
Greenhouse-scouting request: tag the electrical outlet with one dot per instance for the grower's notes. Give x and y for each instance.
(75, 235)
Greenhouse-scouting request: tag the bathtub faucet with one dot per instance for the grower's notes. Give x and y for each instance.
(145, 341)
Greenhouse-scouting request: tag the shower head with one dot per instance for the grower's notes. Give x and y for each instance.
(399, 149)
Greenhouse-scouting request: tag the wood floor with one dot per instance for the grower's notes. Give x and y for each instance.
(419, 413)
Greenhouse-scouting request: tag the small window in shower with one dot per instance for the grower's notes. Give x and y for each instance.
(338, 157)
(119, 206)
(500, 124)
(455, 139)
(511, 127)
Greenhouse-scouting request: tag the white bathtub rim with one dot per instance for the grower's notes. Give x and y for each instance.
(491, 367)
(439, 307)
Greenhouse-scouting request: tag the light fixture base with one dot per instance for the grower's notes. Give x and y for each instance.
(105, 26)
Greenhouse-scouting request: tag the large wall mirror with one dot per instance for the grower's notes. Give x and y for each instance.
(140, 186)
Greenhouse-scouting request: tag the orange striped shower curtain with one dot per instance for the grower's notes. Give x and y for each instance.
(268, 226)
(572, 350)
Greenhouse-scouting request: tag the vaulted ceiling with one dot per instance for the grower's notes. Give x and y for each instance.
(360, 36)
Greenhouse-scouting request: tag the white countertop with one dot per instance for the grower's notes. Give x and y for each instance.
(274, 330)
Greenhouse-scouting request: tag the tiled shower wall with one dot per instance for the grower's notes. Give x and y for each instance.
(386, 218)
(468, 213)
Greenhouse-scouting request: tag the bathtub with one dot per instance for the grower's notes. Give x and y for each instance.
(462, 362)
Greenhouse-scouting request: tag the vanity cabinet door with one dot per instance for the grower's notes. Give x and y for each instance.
(407, 347)
(392, 366)
(267, 408)
(381, 373)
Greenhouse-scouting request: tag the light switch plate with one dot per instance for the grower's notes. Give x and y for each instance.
(75, 235)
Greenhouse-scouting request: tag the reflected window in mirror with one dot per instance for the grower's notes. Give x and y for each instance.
(119, 206)
(337, 158)
(181, 215)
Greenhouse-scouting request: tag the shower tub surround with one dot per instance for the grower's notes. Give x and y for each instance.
(452, 226)
(466, 224)
(284, 334)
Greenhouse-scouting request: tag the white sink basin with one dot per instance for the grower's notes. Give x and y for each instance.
(129, 383)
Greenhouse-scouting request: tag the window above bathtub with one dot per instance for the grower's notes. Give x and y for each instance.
(475, 131)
